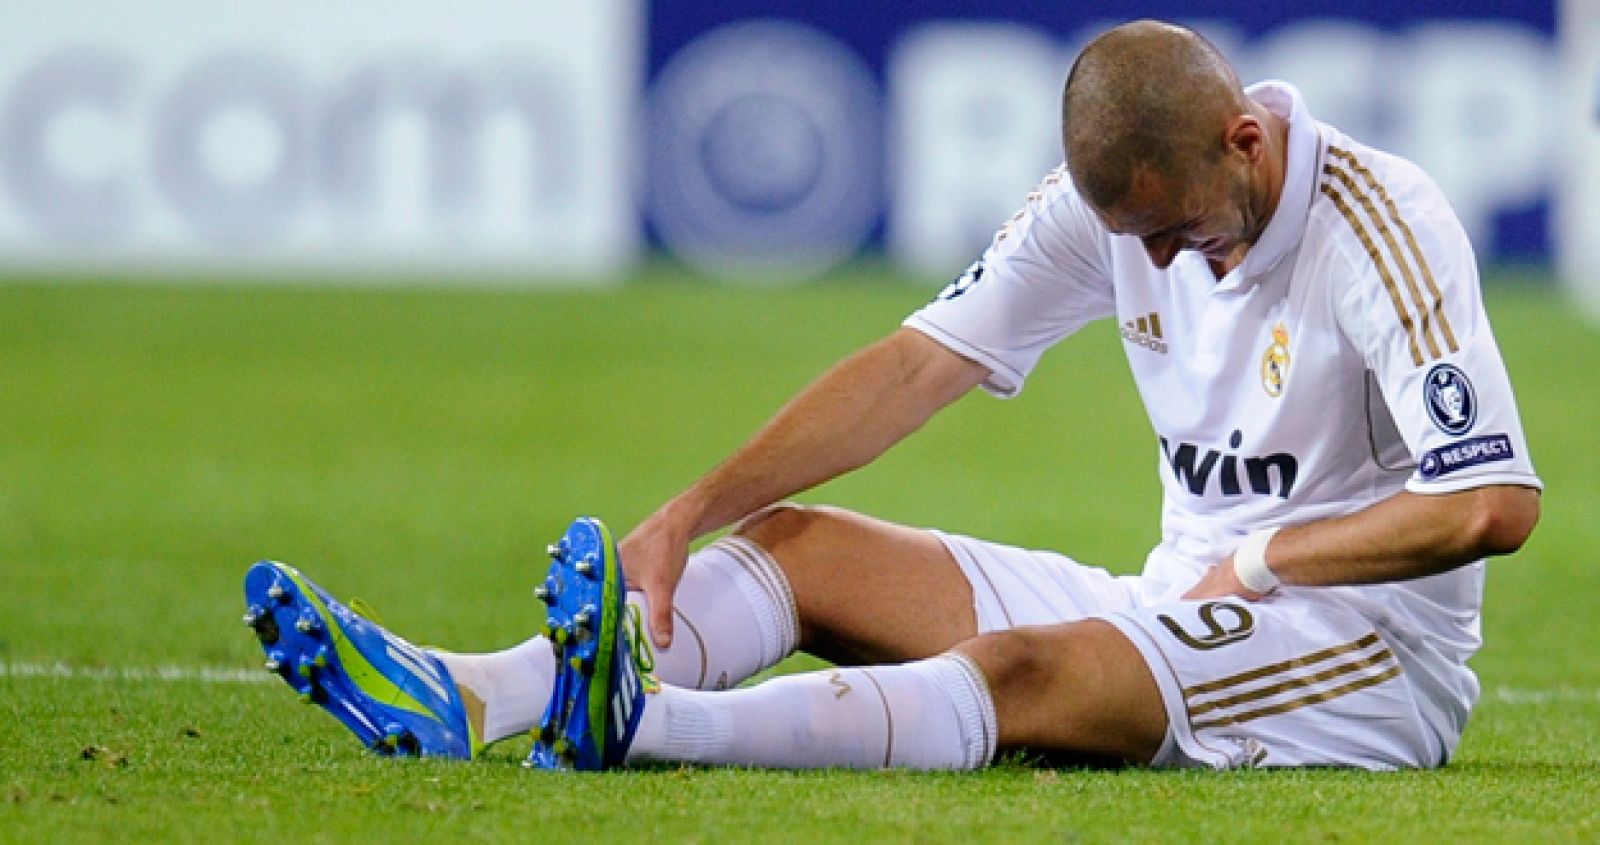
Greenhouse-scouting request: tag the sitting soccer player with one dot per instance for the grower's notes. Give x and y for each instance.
(1339, 450)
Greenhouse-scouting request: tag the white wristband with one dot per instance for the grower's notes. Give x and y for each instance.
(1250, 562)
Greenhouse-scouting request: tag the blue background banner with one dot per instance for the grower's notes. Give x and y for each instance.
(783, 138)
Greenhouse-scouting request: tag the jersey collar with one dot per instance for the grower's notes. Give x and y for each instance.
(1288, 224)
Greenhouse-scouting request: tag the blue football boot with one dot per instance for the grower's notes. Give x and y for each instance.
(395, 697)
(603, 663)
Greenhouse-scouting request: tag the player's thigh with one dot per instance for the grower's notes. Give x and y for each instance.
(866, 590)
(1014, 587)
(1294, 680)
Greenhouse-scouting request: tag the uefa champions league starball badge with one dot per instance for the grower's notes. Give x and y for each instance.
(1452, 405)
(1275, 364)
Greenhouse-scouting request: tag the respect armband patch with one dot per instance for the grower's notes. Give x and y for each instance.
(1463, 454)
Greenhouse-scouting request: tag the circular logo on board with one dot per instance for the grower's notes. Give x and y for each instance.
(1452, 405)
(764, 155)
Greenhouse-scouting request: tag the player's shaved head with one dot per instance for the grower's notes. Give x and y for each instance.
(1145, 94)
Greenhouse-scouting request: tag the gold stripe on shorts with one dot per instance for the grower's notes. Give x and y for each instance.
(998, 599)
(1378, 659)
(1282, 666)
(1390, 254)
(1286, 676)
(1296, 704)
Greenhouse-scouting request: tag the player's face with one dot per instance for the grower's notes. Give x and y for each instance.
(1210, 213)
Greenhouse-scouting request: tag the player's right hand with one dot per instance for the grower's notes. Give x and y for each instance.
(1221, 581)
(653, 557)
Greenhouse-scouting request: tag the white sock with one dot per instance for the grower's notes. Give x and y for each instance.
(931, 714)
(512, 686)
(734, 616)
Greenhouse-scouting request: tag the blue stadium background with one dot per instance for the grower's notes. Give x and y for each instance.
(748, 212)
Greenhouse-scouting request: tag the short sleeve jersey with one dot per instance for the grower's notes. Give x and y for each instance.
(1346, 358)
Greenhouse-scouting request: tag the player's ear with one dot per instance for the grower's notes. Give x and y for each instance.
(1245, 136)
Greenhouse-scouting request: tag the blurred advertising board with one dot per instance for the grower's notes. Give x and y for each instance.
(1578, 194)
(347, 138)
(783, 137)
(761, 140)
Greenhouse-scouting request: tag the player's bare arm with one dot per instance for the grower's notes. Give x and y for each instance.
(1408, 535)
(843, 420)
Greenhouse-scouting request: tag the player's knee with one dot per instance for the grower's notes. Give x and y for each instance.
(790, 532)
(1076, 688)
(775, 523)
(1066, 659)
(805, 541)
(1019, 658)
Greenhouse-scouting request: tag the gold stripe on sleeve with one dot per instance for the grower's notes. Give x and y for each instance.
(1395, 252)
(1383, 268)
(1377, 187)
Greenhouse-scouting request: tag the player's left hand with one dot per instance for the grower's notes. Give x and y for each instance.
(654, 555)
(1221, 581)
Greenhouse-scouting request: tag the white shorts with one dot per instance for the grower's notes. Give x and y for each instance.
(1291, 680)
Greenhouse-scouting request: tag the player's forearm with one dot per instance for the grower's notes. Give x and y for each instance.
(843, 420)
(1405, 536)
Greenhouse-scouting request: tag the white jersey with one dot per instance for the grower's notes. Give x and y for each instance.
(1346, 359)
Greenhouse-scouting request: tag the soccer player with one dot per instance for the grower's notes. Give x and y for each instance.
(1338, 445)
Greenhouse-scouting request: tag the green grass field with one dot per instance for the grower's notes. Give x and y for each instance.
(418, 448)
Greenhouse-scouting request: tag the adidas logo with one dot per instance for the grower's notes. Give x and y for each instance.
(1146, 332)
(417, 664)
(622, 698)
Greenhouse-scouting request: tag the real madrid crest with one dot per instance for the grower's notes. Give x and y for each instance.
(1275, 364)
